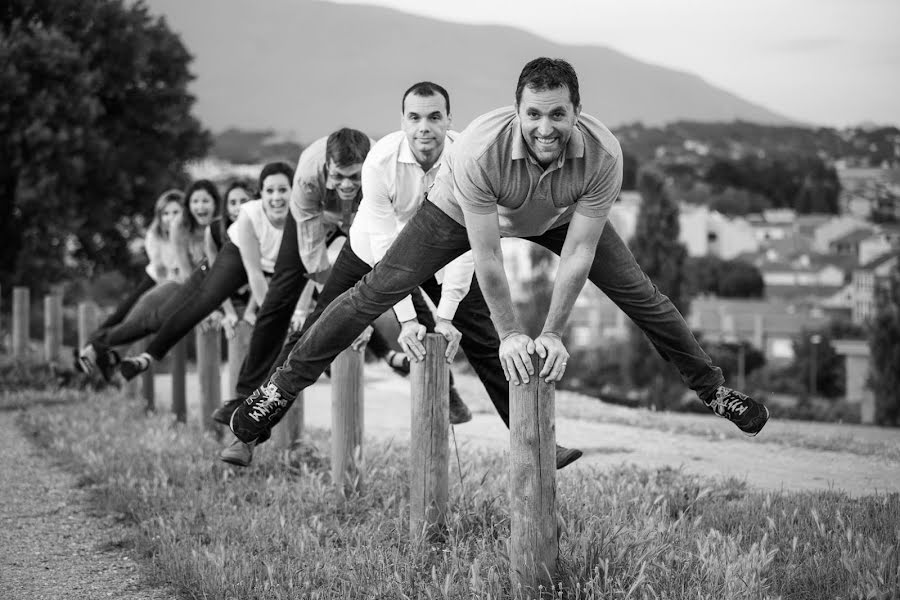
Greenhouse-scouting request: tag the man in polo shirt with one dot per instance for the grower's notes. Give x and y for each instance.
(541, 171)
(396, 174)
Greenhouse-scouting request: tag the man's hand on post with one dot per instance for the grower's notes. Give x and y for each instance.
(410, 339)
(359, 344)
(451, 334)
(550, 347)
(516, 349)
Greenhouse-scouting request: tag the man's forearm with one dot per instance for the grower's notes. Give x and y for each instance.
(570, 279)
(495, 287)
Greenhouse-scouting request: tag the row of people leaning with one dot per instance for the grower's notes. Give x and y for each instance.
(420, 211)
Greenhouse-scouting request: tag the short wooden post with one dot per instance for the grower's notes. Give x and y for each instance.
(429, 443)
(179, 368)
(87, 321)
(209, 352)
(290, 428)
(533, 548)
(53, 327)
(347, 421)
(21, 319)
(148, 389)
(237, 350)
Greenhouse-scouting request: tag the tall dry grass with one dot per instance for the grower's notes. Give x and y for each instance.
(276, 531)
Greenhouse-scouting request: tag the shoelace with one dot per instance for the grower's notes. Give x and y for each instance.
(730, 404)
(273, 399)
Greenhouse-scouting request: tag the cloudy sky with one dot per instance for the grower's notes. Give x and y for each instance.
(830, 62)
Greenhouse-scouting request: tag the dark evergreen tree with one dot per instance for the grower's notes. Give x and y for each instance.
(884, 343)
(656, 247)
(94, 123)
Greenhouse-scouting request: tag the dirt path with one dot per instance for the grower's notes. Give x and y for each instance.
(765, 462)
(54, 548)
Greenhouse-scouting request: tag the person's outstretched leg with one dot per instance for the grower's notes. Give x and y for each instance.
(273, 319)
(429, 241)
(616, 272)
(225, 276)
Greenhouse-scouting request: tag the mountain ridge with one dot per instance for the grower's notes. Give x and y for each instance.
(346, 64)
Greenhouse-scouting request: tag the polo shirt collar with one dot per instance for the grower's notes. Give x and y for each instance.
(574, 147)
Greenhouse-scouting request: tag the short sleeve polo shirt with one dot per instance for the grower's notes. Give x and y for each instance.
(490, 169)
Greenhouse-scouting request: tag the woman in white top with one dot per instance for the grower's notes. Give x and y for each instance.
(247, 257)
(162, 266)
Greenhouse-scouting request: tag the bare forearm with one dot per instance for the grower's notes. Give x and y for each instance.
(570, 278)
(258, 286)
(495, 287)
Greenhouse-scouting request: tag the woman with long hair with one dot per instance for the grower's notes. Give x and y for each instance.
(175, 240)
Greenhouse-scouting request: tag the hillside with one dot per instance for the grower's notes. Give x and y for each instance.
(305, 67)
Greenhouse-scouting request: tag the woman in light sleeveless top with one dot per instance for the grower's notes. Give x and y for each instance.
(248, 257)
(179, 254)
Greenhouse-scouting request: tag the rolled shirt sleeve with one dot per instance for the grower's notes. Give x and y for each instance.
(457, 280)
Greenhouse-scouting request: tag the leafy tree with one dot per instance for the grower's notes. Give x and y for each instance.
(656, 247)
(830, 374)
(726, 278)
(94, 123)
(884, 343)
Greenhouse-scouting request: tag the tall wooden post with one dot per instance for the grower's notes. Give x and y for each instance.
(533, 548)
(429, 443)
(179, 370)
(290, 428)
(148, 389)
(209, 352)
(21, 336)
(53, 327)
(237, 350)
(347, 421)
(87, 321)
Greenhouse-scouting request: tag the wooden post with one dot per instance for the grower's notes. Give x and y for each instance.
(148, 389)
(429, 443)
(237, 350)
(347, 421)
(533, 548)
(53, 327)
(87, 321)
(290, 428)
(21, 319)
(179, 367)
(209, 352)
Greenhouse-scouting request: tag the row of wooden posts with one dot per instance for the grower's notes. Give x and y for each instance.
(533, 546)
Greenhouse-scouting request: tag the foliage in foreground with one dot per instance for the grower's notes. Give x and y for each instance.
(275, 530)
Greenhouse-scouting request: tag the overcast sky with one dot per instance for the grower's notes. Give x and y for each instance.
(832, 62)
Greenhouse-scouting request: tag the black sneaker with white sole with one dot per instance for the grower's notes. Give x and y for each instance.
(223, 413)
(252, 421)
(132, 366)
(749, 415)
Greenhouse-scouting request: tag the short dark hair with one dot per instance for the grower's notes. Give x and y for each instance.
(210, 188)
(276, 168)
(346, 147)
(425, 88)
(225, 220)
(548, 74)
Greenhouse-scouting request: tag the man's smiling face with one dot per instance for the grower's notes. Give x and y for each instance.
(547, 118)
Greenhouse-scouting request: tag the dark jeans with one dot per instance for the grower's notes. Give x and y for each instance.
(153, 309)
(479, 342)
(121, 311)
(430, 240)
(198, 298)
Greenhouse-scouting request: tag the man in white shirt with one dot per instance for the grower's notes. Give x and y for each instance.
(396, 175)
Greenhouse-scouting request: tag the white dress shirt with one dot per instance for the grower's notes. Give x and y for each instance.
(393, 188)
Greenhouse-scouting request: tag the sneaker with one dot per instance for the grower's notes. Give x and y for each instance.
(256, 415)
(399, 362)
(108, 361)
(237, 453)
(459, 412)
(749, 415)
(132, 366)
(86, 359)
(223, 413)
(566, 456)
